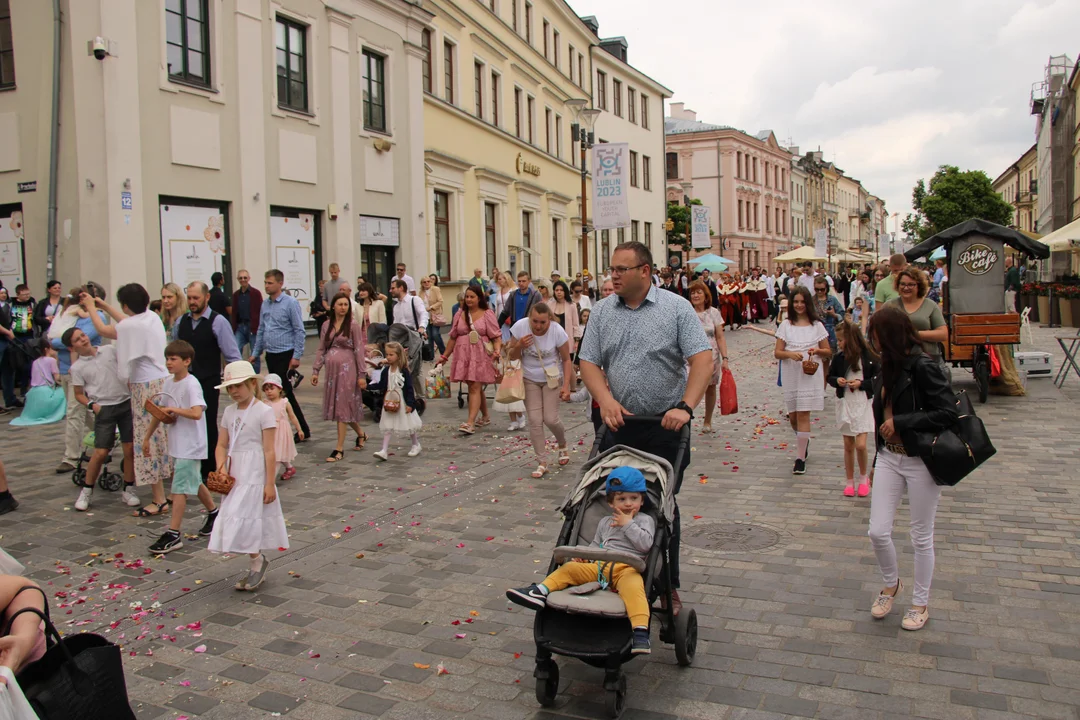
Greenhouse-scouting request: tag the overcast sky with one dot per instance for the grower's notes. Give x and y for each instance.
(889, 90)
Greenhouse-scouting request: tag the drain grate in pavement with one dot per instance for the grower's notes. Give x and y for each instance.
(731, 537)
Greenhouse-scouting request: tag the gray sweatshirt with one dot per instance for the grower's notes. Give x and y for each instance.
(635, 538)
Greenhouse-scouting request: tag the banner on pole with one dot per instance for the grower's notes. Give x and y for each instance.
(699, 222)
(610, 187)
(821, 243)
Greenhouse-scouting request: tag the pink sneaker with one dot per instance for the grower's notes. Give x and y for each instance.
(849, 491)
(864, 489)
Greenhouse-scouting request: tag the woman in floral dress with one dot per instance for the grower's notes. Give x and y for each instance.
(713, 325)
(475, 335)
(341, 351)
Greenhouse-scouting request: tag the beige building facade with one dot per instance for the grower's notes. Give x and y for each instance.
(218, 134)
(1018, 186)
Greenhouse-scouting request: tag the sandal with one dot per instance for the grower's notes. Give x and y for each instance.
(360, 440)
(335, 456)
(540, 471)
(161, 508)
(564, 456)
(467, 428)
(483, 421)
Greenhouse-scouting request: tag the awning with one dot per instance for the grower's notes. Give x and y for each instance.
(1065, 239)
(1012, 238)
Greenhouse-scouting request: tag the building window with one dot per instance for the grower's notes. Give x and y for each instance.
(645, 111)
(425, 63)
(478, 84)
(526, 238)
(581, 70)
(495, 95)
(616, 95)
(547, 31)
(755, 170)
(633, 169)
(554, 242)
(768, 225)
(187, 42)
(634, 231)
(514, 14)
(555, 46)
(528, 23)
(530, 111)
(448, 71)
(672, 165)
(374, 91)
(490, 248)
(740, 214)
(756, 226)
(646, 171)
(292, 64)
(442, 234)
(766, 173)
(738, 165)
(570, 64)
(558, 136)
(601, 90)
(605, 248)
(631, 105)
(648, 235)
(517, 111)
(547, 131)
(620, 235)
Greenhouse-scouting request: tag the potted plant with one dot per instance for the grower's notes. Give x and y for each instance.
(1042, 293)
(1063, 297)
(1072, 292)
(1030, 297)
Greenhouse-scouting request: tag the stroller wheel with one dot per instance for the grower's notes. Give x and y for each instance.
(686, 636)
(79, 476)
(111, 481)
(547, 688)
(616, 699)
(460, 401)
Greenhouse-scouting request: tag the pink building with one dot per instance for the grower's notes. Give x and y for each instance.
(744, 179)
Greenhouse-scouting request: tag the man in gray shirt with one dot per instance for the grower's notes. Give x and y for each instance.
(333, 285)
(633, 361)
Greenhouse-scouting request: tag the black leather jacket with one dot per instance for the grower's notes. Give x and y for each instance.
(923, 403)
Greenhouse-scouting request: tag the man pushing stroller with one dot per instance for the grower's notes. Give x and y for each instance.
(630, 531)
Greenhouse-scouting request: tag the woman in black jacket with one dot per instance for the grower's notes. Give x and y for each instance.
(912, 402)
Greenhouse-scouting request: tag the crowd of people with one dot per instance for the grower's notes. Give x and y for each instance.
(148, 374)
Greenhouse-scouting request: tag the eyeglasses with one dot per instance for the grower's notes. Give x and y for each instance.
(909, 286)
(622, 269)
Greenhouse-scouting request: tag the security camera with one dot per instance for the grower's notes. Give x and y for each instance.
(100, 50)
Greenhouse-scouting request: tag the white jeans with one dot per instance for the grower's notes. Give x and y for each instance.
(892, 473)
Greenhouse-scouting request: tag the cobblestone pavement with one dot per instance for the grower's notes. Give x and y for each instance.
(397, 569)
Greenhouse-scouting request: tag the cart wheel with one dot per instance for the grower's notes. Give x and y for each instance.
(686, 636)
(111, 481)
(982, 378)
(547, 689)
(460, 402)
(79, 476)
(616, 699)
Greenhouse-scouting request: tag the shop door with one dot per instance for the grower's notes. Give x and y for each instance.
(377, 266)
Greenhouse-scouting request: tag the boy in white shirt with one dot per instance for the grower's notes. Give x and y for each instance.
(187, 444)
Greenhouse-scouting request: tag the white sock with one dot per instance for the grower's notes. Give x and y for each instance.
(543, 588)
(803, 441)
(256, 562)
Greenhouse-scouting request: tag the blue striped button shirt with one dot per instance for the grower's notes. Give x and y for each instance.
(644, 350)
(281, 327)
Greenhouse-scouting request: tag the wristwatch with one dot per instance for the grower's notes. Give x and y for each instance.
(685, 408)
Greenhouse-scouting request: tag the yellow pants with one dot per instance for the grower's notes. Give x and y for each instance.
(625, 579)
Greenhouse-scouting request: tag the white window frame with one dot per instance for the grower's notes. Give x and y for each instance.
(455, 78)
(313, 49)
(216, 92)
(389, 62)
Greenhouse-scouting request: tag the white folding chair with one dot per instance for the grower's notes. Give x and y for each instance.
(1025, 324)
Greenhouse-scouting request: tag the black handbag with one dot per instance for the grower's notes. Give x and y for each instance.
(427, 350)
(956, 451)
(80, 677)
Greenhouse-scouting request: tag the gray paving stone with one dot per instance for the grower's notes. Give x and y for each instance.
(160, 671)
(285, 647)
(732, 696)
(369, 649)
(988, 701)
(192, 703)
(407, 673)
(1027, 675)
(227, 619)
(275, 702)
(367, 704)
(360, 681)
(950, 651)
(244, 673)
(790, 706)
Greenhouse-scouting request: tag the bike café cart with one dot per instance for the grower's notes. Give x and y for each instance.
(974, 296)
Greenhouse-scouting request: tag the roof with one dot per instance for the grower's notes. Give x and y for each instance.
(1010, 237)
(674, 126)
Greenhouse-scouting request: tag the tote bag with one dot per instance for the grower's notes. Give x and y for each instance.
(729, 395)
(512, 387)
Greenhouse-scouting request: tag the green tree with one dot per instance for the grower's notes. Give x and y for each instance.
(952, 197)
(679, 235)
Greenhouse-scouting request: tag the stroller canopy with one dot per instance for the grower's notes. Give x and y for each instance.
(655, 469)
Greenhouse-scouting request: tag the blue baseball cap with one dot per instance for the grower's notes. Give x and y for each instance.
(625, 479)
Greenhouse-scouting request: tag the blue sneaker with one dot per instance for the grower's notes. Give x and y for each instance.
(531, 597)
(641, 645)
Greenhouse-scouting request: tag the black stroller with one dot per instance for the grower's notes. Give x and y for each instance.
(594, 628)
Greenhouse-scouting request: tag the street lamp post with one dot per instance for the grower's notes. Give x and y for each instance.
(581, 129)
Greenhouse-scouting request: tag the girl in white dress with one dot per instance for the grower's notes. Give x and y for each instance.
(250, 518)
(801, 337)
(397, 388)
(852, 373)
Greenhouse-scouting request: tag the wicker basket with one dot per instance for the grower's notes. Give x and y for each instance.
(160, 415)
(810, 366)
(392, 403)
(220, 481)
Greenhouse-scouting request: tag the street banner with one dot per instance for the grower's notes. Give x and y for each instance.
(699, 221)
(611, 185)
(821, 243)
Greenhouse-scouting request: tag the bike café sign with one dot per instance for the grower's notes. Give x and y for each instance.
(524, 166)
(977, 259)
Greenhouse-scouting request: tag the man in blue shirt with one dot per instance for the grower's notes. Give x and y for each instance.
(521, 301)
(281, 336)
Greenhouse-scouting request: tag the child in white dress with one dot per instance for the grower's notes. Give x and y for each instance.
(801, 337)
(250, 519)
(399, 402)
(852, 373)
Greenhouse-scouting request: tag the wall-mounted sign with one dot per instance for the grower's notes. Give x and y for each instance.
(610, 199)
(25, 187)
(293, 239)
(12, 263)
(977, 259)
(751, 245)
(700, 238)
(379, 231)
(523, 166)
(125, 200)
(192, 242)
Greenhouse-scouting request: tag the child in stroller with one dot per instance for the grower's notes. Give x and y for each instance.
(629, 531)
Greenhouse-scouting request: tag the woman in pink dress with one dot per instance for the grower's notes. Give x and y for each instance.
(475, 335)
(341, 350)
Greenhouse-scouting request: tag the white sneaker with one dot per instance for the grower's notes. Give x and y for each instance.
(414, 450)
(83, 502)
(382, 455)
(130, 499)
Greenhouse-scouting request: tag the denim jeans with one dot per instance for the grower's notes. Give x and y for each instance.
(435, 339)
(244, 336)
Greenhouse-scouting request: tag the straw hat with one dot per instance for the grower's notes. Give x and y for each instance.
(236, 373)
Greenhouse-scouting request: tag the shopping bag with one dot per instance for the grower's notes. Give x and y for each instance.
(436, 385)
(512, 387)
(729, 396)
(13, 705)
(995, 363)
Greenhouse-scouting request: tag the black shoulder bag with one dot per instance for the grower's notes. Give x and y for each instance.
(427, 350)
(956, 451)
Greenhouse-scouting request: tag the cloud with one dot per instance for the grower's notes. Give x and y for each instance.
(865, 91)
